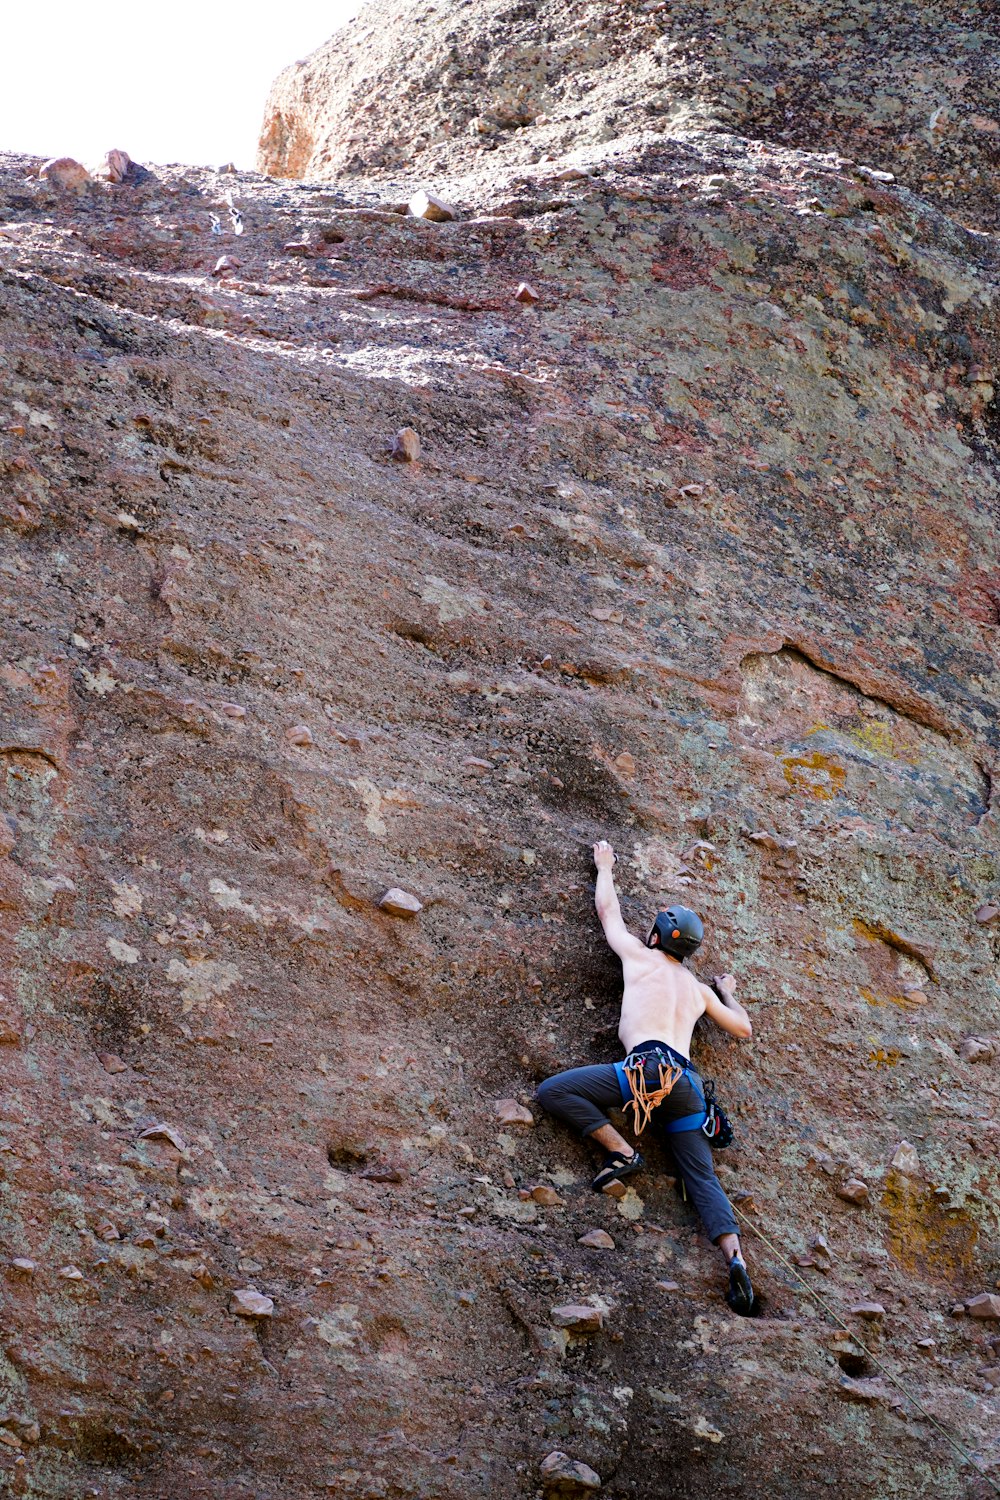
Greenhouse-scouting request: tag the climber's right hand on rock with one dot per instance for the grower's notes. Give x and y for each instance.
(604, 855)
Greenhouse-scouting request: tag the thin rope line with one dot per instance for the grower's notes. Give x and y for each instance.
(959, 1449)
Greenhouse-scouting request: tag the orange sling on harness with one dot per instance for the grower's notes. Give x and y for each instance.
(644, 1101)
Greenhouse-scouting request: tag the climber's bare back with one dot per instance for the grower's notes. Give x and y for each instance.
(660, 1000)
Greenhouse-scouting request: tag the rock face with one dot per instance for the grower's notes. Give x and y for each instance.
(701, 556)
(419, 86)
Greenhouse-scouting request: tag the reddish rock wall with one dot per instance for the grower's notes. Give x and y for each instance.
(699, 554)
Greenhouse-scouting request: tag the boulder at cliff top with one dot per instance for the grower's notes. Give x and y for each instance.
(65, 173)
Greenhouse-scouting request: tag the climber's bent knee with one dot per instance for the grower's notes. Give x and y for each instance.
(581, 1096)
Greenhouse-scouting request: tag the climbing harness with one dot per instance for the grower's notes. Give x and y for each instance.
(639, 1097)
(963, 1452)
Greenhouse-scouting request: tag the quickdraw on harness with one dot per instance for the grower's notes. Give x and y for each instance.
(716, 1127)
(642, 1101)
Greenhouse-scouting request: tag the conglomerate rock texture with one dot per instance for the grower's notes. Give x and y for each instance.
(700, 555)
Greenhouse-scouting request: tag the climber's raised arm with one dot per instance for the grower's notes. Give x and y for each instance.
(606, 901)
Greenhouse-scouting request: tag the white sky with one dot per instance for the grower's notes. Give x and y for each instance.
(182, 82)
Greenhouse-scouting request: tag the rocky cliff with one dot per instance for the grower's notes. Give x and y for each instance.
(699, 553)
(445, 85)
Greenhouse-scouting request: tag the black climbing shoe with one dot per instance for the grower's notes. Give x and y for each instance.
(616, 1166)
(740, 1294)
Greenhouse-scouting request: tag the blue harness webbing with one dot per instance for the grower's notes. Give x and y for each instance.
(683, 1122)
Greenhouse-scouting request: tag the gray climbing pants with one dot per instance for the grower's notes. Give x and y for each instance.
(581, 1098)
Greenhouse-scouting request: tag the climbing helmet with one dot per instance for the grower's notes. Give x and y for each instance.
(677, 931)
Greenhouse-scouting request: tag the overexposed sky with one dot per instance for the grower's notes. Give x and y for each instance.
(182, 82)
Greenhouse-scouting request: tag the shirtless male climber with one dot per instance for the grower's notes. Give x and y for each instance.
(660, 1004)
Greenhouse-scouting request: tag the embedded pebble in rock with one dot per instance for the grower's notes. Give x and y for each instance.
(64, 173)
(510, 1112)
(871, 1311)
(406, 446)
(424, 205)
(771, 841)
(597, 1239)
(545, 1195)
(817, 1254)
(526, 293)
(987, 914)
(112, 1063)
(223, 266)
(70, 1273)
(854, 1191)
(985, 1305)
(162, 1132)
(10, 1033)
(568, 1477)
(400, 903)
(668, 1286)
(868, 1391)
(905, 1160)
(247, 1303)
(24, 1266)
(977, 1049)
(299, 734)
(578, 1318)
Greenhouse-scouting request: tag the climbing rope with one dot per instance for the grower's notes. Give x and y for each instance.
(959, 1449)
(644, 1100)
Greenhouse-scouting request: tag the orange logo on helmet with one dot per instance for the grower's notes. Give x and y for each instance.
(676, 932)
